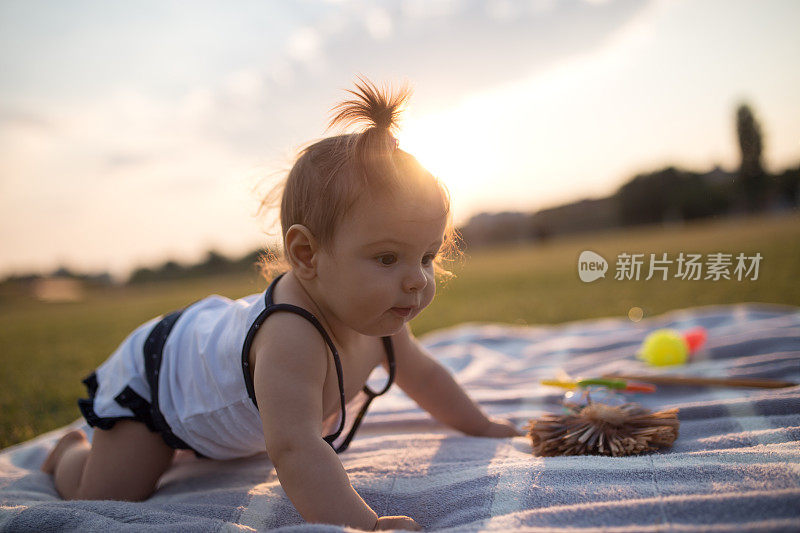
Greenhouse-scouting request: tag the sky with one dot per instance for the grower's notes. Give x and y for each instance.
(134, 133)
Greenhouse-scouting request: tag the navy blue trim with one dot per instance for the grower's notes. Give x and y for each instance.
(270, 307)
(91, 384)
(145, 412)
(128, 398)
(141, 408)
(371, 395)
(153, 354)
(387, 345)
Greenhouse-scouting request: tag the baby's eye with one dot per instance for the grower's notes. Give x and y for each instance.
(428, 259)
(387, 259)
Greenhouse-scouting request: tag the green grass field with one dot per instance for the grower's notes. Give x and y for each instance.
(48, 348)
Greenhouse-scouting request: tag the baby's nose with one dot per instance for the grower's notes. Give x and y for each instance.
(415, 280)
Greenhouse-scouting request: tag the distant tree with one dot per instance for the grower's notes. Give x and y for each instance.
(540, 232)
(697, 198)
(250, 258)
(103, 278)
(649, 198)
(788, 184)
(142, 275)
(667, 195)
(63, 272)
(495, 228)
(752, 178)
(170, 270)
(215, 262)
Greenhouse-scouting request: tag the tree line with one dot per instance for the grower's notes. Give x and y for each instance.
(663, 196)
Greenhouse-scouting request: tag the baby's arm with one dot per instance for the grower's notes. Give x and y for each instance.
(433, 388)
(289, 376)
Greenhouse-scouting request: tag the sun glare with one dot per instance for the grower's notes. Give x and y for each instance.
(457, 150)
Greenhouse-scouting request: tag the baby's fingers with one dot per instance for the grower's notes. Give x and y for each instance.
(501, 428)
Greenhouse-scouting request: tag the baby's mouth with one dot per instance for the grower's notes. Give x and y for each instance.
(402, 311)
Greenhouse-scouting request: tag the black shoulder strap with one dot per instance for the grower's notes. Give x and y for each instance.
(387, 345)
(271, 307)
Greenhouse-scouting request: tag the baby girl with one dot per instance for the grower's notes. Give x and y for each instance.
(365, 228)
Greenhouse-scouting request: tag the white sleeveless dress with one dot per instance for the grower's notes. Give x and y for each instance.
(204, 393)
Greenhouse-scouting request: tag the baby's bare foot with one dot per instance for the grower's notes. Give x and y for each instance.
(67, 441)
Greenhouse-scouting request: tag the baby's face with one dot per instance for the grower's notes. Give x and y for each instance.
(380, 273)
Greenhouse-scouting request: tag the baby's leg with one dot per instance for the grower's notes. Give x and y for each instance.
(122, 463)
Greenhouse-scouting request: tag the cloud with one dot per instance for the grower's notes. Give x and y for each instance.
(116, 160)
(378, 23)
(21, 118)
(454, 48)
(304, 45)
(246, 83)
(445, 48)
(502, 9)
(479, 45)
(130, 142)
(425, 9)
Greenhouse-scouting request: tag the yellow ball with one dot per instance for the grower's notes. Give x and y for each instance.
(664, 347)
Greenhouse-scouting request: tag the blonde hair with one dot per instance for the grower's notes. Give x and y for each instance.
(329, 175)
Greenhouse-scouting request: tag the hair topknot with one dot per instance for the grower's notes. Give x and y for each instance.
(378, 108)
(331, 174)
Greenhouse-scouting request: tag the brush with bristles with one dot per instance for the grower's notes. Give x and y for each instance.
(599, 429)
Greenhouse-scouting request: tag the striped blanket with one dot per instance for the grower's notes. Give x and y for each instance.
(734, 467)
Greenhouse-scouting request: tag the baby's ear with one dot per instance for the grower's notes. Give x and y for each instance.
(301, 251)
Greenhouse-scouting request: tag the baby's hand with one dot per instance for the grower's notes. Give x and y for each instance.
(499, 428)
(397, 522)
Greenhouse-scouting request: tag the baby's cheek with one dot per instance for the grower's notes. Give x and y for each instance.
(429, 293)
